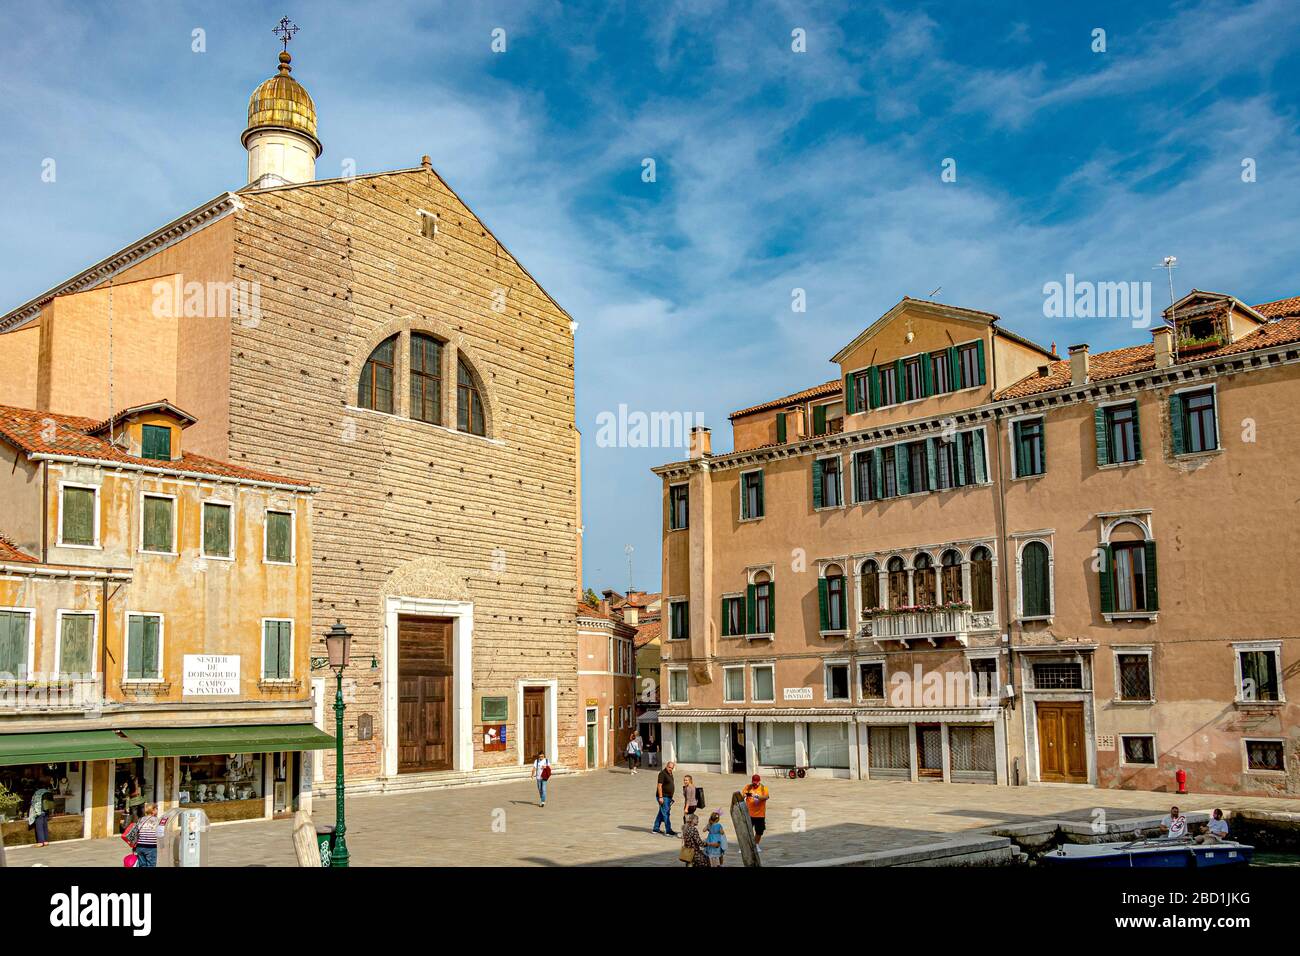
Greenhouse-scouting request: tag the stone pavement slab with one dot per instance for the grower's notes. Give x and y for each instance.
(604, 818)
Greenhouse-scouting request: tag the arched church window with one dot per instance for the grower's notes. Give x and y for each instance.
(469, 401)
(375, 390)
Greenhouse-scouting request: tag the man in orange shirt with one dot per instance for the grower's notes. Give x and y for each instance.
(756, 796)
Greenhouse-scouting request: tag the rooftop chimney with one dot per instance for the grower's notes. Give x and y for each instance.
(1079, 364)
(1163, 339)
(701, 442)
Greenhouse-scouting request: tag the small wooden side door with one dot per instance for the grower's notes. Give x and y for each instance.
(534, 722)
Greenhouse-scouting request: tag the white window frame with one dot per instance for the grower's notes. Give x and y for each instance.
(1218, 432)
(672, 511)
(753, 693)
(1137, 418)
(176, 521)
(293, 638)
(1023, 540)
(96, 544)
(293, 535)
(876, 659)
(203, 526)
(1123, 756)
(763, 483)
(984, 654)
(864, 401)
(126, 647)
(839, 477)
(1275, 647)
(1134, 650)
(31, 636)
(1245, 755)
(59, 615)
(826, 680)
(733, 667)
(846, 579)
(672, 671)
(733, 596)
(671, 617)
(1013, 448)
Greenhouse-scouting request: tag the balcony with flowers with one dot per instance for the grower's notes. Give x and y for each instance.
(921, 622)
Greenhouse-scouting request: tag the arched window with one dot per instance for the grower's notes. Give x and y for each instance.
(1128, 578)
(1035, 584)
(833, 600)
(981, 579)
(898, 593)
(426, 378)
(469, 402)
(763, 600)
(923, 579)
(951, 561)
(375, 390)
(870, 585)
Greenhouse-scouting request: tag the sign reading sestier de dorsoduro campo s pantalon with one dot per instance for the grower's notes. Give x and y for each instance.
(211, 675)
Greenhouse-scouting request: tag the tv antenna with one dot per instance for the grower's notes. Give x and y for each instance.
(936, 292)
(628, 549)
(1169, 264)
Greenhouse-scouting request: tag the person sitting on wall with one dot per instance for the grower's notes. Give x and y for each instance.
(1174, 825)
(1216, 831)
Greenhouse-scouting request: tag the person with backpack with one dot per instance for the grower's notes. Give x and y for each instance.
(541, 773)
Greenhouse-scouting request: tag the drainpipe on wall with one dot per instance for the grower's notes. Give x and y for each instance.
(45, 512)
(1004, 544)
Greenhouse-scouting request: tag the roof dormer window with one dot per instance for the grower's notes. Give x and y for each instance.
(156, 442)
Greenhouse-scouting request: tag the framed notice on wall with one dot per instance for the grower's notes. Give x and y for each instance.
(495, 710)
(494, 737)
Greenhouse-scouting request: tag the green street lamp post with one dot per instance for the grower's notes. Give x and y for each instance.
(338, 645)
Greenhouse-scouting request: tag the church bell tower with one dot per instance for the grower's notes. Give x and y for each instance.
(281, 134)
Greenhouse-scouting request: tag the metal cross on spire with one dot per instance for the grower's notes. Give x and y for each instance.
(285, 31)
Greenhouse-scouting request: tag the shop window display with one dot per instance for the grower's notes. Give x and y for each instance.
(62, 800)
(227, 786)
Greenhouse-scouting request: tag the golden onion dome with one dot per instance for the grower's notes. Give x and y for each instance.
(281, 103)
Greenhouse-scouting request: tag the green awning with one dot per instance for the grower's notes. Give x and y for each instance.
(201, 741)
(64, 746)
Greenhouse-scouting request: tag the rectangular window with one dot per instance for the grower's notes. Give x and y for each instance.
(1029, 447)
(946, 463)
(836, 603)
(837, 682)
(277, 650)
(15, 643)
(912, 378)
(1121, 433)
(888, 472)
(678, 685)
(1139, 748)
(941, 370)
(830, 479)
(733, 685)
(968, 360)
(751, 494)
(861, 382)
(1134, 676)
(216, 530)
(77, 644)
(863, 477)
(763, 608)
(1060, 676)
(159, 524)
(279, 537)
(678, 507)
(984, 677)
(888, 384)
(681, 620)
(1259, 670)
(144, 647)
(1130, 576)
(156, 442)
(733, 616)
(77, 524)
(871, 681)
(1199, 431)
(776, 744)
(918, 471)
(1265, 755)
(426, 379)
(764, 689)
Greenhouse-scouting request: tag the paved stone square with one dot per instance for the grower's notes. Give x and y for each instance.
(604, 818)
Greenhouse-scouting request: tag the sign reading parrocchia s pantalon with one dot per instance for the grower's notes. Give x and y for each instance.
(211, 675)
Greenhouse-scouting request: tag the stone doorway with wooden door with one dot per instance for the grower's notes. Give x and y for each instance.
(425, 673)
(1062, 744)
(534, 716)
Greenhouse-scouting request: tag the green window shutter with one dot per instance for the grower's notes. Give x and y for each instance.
(877, 484)
(954, 361)
(855, 468)
(13, 644)
(135, 648)
(1153, 590)
(78, 516)
(817, 482)
(158, 524)
(873, 387)
(850, 405)
(149, 649)
(961, 460)
(1137, 432)
(1103, 439)
(771, 606)
(1034, 585)
(979, 358)
(762, 505)
(977, 456)
(932, 463)
(900, 382)
(216, 530)
(1106, 578)
(279, 526)
(901, 459)
(927, 375)
(156, 442)
(751, 609)
(823, 605)
(1176, 424)
(284, 664)
(726, 618)
(819, 420)
(780, 428)
(75, 644)
(1020, 450)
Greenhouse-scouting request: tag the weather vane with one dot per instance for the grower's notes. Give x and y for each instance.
(285, 32)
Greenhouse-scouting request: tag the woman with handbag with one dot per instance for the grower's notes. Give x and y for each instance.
(692, 852)
(541, 773)
(146, 837)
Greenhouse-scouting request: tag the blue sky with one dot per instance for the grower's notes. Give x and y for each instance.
(776, 170)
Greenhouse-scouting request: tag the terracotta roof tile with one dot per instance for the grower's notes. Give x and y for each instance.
(833, 387)
(46, 433)
(1280, 309)
(590, 610)
(647, 632)
(10, 553)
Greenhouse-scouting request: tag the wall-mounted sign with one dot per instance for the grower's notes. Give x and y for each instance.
(593, 701)
(797, 693)
(210, 675)
(494, 737)
(365, 727)
(1105, 741)
(495, 709)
